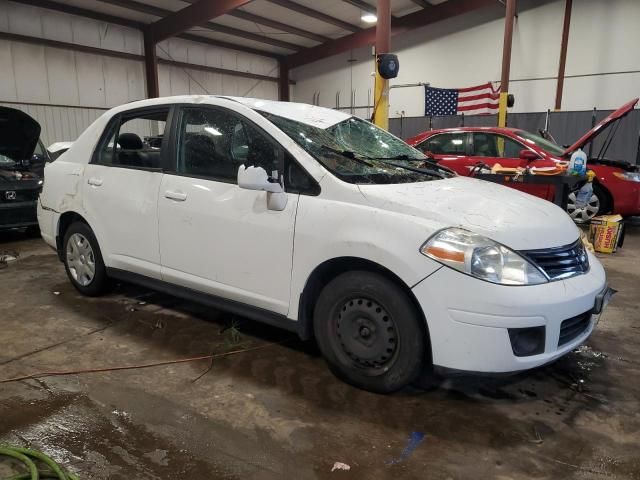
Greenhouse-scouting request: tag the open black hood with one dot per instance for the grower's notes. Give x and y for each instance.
(19, 134)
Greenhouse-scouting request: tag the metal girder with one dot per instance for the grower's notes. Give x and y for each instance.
(214, 27)
(399, 25)
(362, 5)
(194, 15)
(422, 3)
(125, 22)
(310, 12)
(267, 22)
(82, 12)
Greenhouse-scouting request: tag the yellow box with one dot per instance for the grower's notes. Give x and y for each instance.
(604, 232)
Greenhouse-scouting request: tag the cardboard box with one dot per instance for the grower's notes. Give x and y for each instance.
(605, 233)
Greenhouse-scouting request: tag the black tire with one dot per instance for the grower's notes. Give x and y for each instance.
(99, 283)
(33, 231)
(604, 197)
(369, 332)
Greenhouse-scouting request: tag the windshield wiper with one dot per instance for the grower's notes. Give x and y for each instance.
(423, 171)
(426, 160)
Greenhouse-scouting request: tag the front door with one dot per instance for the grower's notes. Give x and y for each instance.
(491, 149)
(214, 236)
(120, 191)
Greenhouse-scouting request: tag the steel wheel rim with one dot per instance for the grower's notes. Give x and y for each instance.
(80, 259)
(366, 336)
(585, 214)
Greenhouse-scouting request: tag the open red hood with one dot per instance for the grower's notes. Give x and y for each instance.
(591, 134)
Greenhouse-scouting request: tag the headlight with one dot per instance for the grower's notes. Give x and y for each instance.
(481, 257)
(629, 176)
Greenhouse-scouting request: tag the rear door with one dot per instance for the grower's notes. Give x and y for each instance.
(214, 236)
(120, 190)
(451, 149)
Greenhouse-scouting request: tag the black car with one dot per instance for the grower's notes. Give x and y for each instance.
(22, 160)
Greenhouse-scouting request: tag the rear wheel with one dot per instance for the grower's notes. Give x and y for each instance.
(369, 332)
(598, 204)
(83, 260)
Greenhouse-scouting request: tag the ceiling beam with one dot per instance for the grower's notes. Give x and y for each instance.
(422, 3)
(310, 12)
(399, 25)
(267, 22)
(362, 5)
(82, 12)
(214, 27)
(125, 22)
(192, 16)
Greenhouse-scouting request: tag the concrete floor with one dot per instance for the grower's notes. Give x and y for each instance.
(278, 412)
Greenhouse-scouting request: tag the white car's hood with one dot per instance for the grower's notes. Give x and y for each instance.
(515, 219)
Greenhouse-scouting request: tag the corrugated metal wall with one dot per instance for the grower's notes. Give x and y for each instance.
(67, 90)
(566, 127)
(59, 123)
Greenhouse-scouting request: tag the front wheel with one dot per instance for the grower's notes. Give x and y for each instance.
(598, 204)
(83, 260)
(369, 332)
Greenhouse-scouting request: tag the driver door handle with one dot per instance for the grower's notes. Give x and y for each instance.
(96, 182)
(177, 196)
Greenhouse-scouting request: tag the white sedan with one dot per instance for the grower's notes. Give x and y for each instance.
(321, 223)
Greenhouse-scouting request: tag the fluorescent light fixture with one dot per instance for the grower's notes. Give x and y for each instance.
(369, 18)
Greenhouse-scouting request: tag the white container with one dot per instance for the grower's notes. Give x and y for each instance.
(578, 163)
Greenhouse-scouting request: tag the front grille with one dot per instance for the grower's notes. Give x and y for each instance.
(574, 327)
(560, 262)
(18, 216)
(19, 195)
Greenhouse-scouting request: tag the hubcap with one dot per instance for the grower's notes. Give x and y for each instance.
(80, 259)
(586, 213)
(366, 333)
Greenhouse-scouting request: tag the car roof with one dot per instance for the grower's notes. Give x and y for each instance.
(429, 133)
(309, 114)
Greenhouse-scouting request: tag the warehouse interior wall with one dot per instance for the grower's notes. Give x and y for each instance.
(67, 90)
(603, 61)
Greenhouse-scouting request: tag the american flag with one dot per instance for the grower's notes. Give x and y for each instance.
(470, 101)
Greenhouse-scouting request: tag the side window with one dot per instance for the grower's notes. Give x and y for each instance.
(214, 143)
(492, 145)
(134, 140)
(297, 180)
(446, 144)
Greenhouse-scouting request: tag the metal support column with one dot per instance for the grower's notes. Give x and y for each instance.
(283, 82)
(151, 66)
(383, 45)
(506, 62)
(563, 53)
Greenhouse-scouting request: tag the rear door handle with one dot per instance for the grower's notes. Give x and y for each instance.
(177, 196)
(96, 182)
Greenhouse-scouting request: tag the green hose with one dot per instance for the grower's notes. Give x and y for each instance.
(31, 459)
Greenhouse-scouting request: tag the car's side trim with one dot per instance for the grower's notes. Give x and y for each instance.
(231, 306)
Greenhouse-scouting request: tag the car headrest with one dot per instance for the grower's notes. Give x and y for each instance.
(130, 141)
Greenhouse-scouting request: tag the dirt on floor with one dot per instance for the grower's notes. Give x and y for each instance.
(278, 412)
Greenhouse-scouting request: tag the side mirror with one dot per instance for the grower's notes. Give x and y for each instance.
(256, 178)
(528, 155)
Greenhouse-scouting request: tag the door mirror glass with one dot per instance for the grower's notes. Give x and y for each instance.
(256, 178)
(528, 155)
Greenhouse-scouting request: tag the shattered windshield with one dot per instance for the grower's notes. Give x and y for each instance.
(357, 151)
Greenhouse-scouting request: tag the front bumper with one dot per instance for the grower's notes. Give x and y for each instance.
(469, 319)
(18, 214)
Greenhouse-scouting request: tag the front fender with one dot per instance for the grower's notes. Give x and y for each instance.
(388, 239)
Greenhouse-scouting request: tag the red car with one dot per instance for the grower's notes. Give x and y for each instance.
(616, 187)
